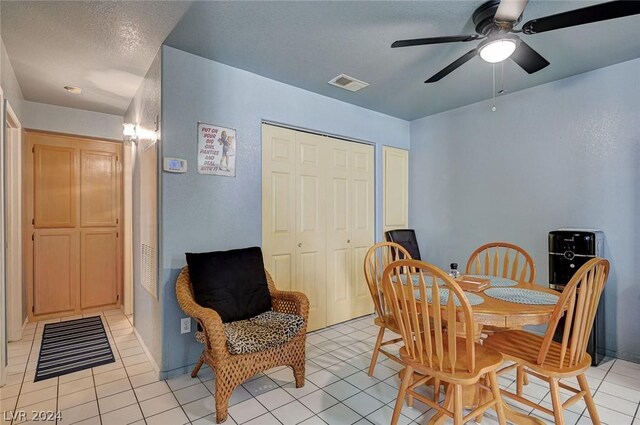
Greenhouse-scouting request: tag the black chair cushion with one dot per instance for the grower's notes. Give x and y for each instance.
(406, 238)
(233, 283)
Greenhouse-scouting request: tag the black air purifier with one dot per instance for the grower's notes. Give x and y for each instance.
(569, 249)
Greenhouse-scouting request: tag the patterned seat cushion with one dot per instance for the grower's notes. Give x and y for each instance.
(267, 330)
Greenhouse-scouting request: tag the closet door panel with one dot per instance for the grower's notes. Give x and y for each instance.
(363, 223)
(339, 227)
(278, 204)
(310, 226)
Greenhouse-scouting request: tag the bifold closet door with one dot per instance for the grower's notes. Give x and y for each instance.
(317, 220)
(293, 225)
(350, 228)
(363, 223)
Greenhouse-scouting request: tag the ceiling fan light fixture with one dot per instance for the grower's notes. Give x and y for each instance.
(496, 51)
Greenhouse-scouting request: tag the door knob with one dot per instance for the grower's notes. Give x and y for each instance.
(348, 240)
(300, 245)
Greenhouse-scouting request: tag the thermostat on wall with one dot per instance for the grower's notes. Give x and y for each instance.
(175, 165)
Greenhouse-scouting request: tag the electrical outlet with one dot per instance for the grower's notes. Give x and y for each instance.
(185, 325)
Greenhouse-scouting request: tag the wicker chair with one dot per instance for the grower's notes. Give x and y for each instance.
(232, 370)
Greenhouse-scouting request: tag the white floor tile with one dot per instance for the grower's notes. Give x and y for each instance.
(612, 417)
(80, 412)
(117, 401)
(74, 386)
(174, 416)
(189, 394)
(77, 398)
(182, 381)
(38, 396)
(339, 414)
(113, 388)
(292, 413)
(260, 385)
(616, 403)
(275, 398)
(247, 410)
(158, 404)
(341, 390)
(308, 388)
(200, 408)
(152, 390)
(322, 378)
(363, 403)
(383, 416)
(266, 419)
(125, 415)
(318, 401)
(109, 376)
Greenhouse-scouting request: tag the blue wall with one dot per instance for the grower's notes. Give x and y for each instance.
(147, 311)
(205, 213)
(564, 154)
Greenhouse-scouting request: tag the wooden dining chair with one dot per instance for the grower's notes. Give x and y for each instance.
(502, 259)
(377, 258)
(552, 361)
(439, 341)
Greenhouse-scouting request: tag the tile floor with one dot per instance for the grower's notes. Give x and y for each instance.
(337, 391)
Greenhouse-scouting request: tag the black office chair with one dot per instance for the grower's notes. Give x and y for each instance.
(406, 238)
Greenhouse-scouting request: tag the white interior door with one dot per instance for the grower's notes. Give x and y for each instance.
(3, 311)
(339, 259)
(362, 223)
(310, 226)
(13, 223)
(279, 204)
(395, 175)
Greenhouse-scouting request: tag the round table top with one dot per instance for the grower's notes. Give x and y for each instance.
(506, 314)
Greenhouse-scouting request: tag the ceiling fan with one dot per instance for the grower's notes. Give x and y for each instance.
(495, 21)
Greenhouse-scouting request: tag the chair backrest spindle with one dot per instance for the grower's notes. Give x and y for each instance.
(502, 259)
(578, 303)
(375, 261)
(430, 324)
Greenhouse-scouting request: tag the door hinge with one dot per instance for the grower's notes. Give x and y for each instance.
(117, 220)
(33, 309)
(33, 149)
(118, 297)
(33, 221)
(117, 234)
(117, 158)
(32, 237)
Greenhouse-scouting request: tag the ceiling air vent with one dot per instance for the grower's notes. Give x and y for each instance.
(348, 83)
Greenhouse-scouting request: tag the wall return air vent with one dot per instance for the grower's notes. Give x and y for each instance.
(348, 83)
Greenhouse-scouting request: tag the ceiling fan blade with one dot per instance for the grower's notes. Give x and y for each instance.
(586, 15)
(435, 40)
(528, 59)
(453, 66)
(510, 10)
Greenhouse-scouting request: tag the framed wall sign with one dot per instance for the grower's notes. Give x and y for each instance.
(216, 150)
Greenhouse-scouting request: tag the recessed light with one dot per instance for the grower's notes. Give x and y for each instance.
(73, 89)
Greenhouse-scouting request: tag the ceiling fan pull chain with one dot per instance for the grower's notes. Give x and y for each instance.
(493, 92)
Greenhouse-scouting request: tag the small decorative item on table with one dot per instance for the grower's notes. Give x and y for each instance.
(472, 283)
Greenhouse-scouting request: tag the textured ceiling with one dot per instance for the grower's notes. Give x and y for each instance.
(103, 47)
(305, 44)
(106, 47)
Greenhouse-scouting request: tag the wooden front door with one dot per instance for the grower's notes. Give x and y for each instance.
(74, 195)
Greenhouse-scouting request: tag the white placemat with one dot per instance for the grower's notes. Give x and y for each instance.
(522, 296)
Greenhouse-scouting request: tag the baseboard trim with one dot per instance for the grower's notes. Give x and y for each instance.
(623, 356)
(156, 369)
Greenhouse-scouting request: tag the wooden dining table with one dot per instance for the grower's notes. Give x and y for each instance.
(507, 315)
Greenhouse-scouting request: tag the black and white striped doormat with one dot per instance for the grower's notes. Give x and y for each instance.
(72, 346)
